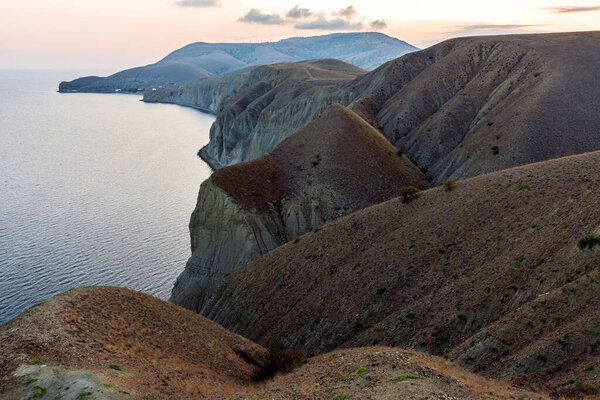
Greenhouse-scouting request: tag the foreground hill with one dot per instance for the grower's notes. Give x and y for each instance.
(113, 343)
(366, 50)
(489, 274)
(335, 165)
(461, 108)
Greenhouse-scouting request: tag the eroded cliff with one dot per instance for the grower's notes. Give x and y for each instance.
(335, 165)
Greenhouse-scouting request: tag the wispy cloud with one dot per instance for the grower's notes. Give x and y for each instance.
(337, 24)
(571, 9)
(255, 16)
(378, 24)
(197, 3)
(304, 18)
(347, 12)
(489, 29)
(297, 12)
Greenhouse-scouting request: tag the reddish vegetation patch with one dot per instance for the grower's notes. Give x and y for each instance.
(163, 350)
(254, 185)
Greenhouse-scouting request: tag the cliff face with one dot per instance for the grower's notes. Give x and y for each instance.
(333, 166)
(224, 236)
(458, 109)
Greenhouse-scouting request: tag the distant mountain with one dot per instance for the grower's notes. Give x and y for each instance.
(199, 60)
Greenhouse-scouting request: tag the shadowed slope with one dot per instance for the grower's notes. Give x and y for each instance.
(461, 108)
(489, 274)
(333, 166)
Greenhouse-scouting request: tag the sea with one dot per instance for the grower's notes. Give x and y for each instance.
(95, 189)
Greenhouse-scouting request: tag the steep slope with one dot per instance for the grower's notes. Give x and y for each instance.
(114, 343)
(335, 165)
(461, 108)
(488, 274)
(156, 349)
(199, 60)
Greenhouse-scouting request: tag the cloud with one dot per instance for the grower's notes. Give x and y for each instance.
(337, 24)
(378, 24)
(489, 28)
(347, 12)
(570, 9)
(197, 3)
(298, 12)
(254, 16)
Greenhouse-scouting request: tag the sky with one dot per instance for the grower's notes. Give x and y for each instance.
(118, 34)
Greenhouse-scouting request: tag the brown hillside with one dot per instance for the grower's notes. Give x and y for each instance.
(488, 274)
(461, 108)
(65, 347)
(164, 351)
(339, 150)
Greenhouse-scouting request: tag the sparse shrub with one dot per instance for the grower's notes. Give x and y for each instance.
(449, 184)
(29, 381)
(409, 193)
(359, 371)
(108, 385)
(520, 186)
(116, 367)
(34, 362)
(517, 261)
(278, 361)
(83, 394)
(41, 391)
(405, 377)
(495, 150)
(393, 229)
(537, 225)
(588, 241)
(590, 367)
(380, 291)
(342, 396)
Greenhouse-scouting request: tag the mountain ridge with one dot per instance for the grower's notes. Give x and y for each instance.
(201, 60)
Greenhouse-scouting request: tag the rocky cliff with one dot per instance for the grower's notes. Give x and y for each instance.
(335, 165)
(458, 109)
(200, 60)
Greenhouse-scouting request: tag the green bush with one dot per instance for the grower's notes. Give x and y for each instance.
(588, 241)
(449, 184)
(409, 193)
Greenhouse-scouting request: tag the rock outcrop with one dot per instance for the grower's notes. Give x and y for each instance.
(461, 108)
(195, 61)
(335, 165)
(499, 274)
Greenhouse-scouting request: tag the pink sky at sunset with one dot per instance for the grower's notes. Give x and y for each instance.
(113, 34)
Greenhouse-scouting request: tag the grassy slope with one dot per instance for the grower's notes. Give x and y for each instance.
(485, 274)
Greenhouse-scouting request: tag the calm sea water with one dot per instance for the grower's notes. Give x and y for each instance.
(94, 189)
